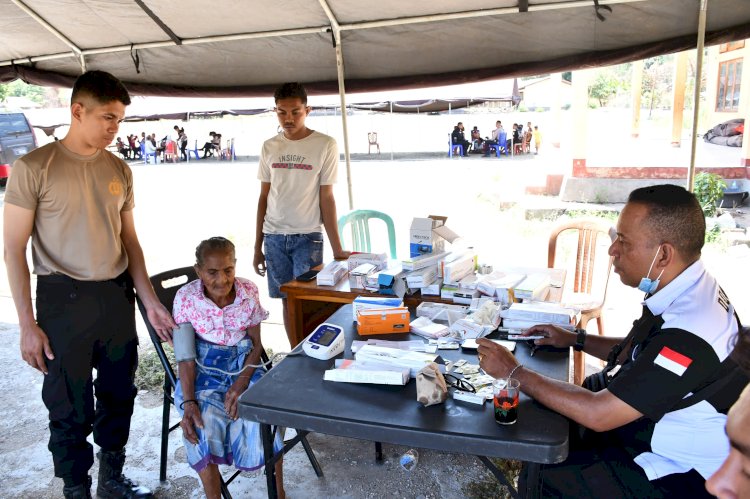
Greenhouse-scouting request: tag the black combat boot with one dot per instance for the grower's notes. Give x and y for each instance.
(82, 491)
(112, 483)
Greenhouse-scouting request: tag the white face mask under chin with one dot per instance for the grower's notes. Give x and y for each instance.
(647, 285)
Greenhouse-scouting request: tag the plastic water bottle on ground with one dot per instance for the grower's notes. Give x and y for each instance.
(409, 460)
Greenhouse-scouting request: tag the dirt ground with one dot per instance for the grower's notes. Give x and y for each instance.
(178, 205)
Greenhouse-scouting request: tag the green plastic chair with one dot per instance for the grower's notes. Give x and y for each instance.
(360, 226)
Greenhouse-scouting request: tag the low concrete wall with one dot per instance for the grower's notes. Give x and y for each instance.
(606, 190)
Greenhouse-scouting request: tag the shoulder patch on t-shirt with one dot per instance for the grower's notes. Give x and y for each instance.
(673, 361)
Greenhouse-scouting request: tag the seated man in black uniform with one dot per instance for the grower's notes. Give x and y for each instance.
(457, 138)
(655, 428)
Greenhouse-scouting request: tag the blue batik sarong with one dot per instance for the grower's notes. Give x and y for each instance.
(223, 440)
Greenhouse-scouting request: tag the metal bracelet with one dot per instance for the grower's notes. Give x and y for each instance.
(512, 371)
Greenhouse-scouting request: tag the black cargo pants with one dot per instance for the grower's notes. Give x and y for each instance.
(90, 325)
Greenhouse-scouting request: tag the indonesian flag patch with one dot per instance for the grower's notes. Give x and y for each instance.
(672, 361)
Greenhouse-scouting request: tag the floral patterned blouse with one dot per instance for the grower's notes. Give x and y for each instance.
(222, 326)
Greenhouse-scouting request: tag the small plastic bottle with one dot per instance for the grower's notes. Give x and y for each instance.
(409, 460)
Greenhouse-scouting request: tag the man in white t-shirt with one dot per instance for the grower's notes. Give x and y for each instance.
(297, 170)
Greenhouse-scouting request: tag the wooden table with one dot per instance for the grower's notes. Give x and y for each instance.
(309, 304)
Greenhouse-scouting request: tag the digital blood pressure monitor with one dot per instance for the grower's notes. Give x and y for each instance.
(326, 342)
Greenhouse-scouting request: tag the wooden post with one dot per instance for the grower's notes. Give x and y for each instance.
(678, 96)
(580, 108)
(556, 128)
(636, 89)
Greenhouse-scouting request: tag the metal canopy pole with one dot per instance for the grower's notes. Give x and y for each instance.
(392, 134)
(336, 29)
(697, 92)
(46, 25)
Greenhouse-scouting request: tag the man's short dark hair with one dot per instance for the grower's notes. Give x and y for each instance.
(675, 217)
(291, 90)
(100, 86)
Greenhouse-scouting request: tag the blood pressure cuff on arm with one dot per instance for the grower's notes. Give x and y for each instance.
(667, 367)
(183, 340)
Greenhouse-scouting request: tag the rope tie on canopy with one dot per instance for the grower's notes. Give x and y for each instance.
(136, 58)
(602, 7)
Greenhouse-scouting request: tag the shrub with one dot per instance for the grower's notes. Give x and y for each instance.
(709, 188)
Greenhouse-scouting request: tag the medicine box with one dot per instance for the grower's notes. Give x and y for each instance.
(358, 275)
(362, 303)
(383, 321)
(422, 239)
(380, 260)
(331, 273)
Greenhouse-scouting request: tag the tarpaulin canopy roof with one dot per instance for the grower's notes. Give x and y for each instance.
(240, 48)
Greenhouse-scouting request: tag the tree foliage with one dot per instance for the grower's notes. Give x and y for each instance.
(604, 87)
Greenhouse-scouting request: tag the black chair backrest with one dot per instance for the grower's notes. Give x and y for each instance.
(166, 285)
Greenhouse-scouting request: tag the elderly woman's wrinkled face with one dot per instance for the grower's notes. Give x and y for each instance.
(217, 274)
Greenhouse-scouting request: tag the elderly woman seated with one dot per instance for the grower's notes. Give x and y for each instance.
(225, 313)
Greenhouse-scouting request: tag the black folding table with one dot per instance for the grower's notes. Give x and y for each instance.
(293, 394)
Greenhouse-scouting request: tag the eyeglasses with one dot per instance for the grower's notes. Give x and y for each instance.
(459, 383)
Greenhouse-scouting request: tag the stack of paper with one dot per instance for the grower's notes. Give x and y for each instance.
(351, 371)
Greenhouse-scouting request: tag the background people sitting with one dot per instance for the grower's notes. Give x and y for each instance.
(214, 145)
(457, 138)
(123, 149)
(476, 140)
(226, 313)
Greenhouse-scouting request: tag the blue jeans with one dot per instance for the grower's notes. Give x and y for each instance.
(289, 255)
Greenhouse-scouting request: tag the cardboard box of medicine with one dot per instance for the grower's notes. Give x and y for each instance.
(422, 239)
(433, 289)
(358, 275)
(362, 303)
(391, 281)
(380, 260)
(331, 274)
(383, 321)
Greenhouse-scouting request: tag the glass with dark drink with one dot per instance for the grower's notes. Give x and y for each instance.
(506, 391)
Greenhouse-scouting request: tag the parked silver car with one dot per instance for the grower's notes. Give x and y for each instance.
(16, 139)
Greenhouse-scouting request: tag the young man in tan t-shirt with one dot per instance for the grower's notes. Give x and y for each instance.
(74, 199)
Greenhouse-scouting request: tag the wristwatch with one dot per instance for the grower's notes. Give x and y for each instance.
(580, 339)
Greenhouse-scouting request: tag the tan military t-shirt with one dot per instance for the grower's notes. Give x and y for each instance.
(77, 202)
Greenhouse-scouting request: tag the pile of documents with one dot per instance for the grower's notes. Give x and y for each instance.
(352, 371)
